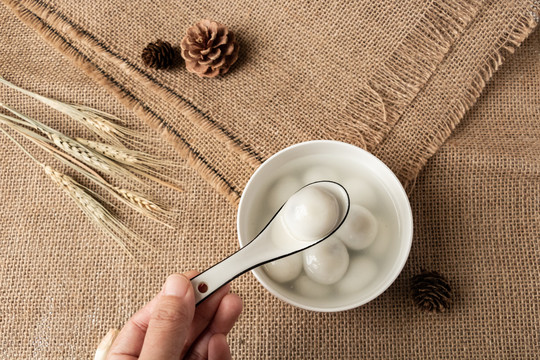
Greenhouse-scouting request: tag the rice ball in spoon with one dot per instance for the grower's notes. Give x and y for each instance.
(311, 213)
(281, 191)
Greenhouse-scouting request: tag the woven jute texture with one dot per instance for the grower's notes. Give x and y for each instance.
(476, 203)
(306, 70)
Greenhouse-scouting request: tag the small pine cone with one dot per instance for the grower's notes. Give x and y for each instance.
(209, 49)
(158, 55)
(431, 291)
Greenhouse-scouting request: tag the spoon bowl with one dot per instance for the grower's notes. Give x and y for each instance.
(262, 249)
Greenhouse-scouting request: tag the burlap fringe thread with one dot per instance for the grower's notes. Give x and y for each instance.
(516, 33)
(372, 113)
(397, 82)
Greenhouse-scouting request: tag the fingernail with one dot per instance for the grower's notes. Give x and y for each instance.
(176, 285)
(106, 343)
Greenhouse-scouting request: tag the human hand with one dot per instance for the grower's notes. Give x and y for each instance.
(170, 327)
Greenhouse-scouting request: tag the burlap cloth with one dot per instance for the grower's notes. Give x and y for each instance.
(394, 77)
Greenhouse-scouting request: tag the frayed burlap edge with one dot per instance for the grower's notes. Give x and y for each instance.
(517, 31)
(377, 106)
(389, 91)
(60, 43)
(186, 107)
(373, 112)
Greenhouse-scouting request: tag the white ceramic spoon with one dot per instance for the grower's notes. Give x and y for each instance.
(262, 249)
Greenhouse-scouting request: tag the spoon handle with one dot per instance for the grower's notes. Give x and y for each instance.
(250, 256)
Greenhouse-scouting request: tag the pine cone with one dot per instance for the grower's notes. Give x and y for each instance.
(209, 49)
(158, 55)
(431, 291)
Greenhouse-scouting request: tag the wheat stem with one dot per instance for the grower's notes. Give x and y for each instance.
(169, 184)
(20, 146)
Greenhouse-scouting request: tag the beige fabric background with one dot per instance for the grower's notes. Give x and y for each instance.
(393, 77)
(476, 207)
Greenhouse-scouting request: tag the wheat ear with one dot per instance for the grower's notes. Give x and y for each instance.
(94, 210)
(129, 241)
(126, 156)
(85, 154)
(119, 154)
(76, 157)
(80, 152)
(137, 162)
(138, 202)
(99, 122)
(150, 208)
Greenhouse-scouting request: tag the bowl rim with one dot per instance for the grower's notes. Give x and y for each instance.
(406, 237)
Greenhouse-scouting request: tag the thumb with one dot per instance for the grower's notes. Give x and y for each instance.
(170, 320)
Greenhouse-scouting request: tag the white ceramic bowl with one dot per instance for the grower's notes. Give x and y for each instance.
(259, 182)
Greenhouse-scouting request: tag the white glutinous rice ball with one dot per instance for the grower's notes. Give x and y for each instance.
(380, 246)
(361, 192)
(319, 173)
(282, 190)
(362, 270)
(309, 288)
(279, 235)
(327, 262)
(359, 229)
(311, 213)
(285, 269)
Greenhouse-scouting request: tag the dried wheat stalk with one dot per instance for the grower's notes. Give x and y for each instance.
(99, 122)
(113, 160)
(93, 209)
(137, 162)
(87, 201)
(76, 156)
(138, 202)
(85, 154)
